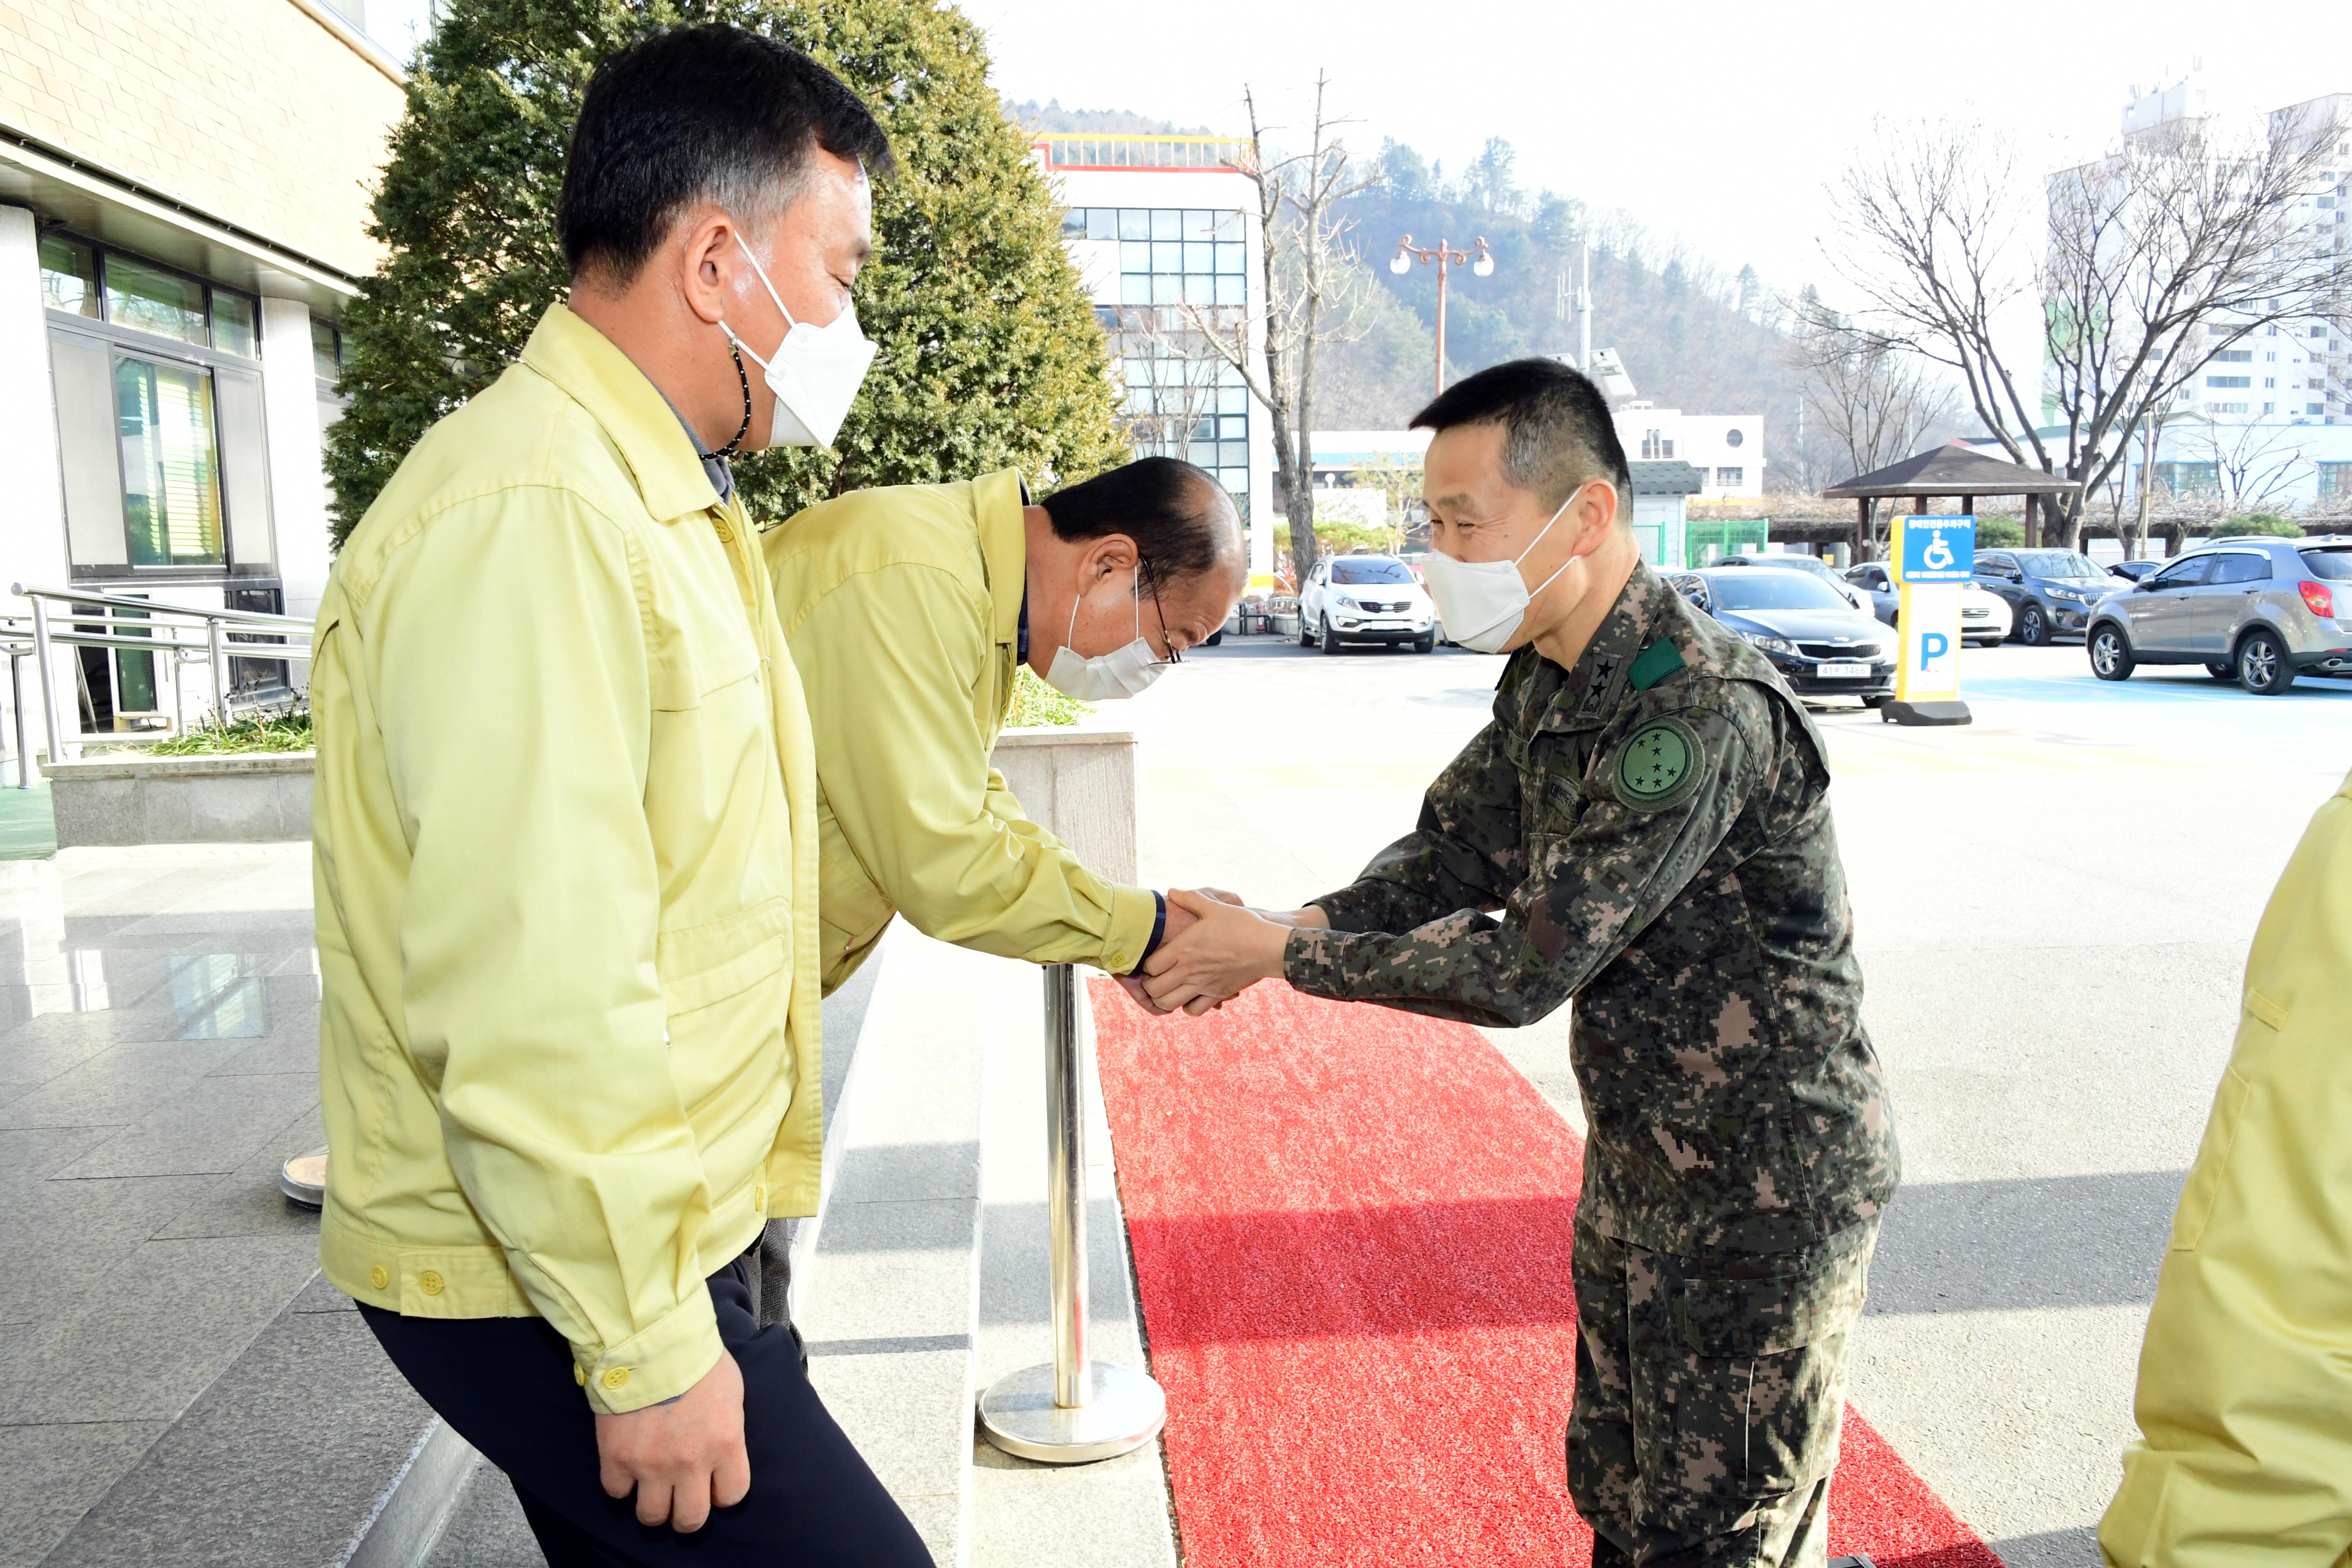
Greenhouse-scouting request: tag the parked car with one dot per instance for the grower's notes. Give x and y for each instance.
(1984, 618)
(2049, 591)
(1820, 643)
(2133, 571)
(2256, 611)
(1365, 599)
(1812, 565)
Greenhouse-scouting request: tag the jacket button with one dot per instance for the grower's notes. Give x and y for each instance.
(759, 1200)
(379, 1276)
(579, 1374)
(1118, 961)
(616, 1377)
(429, 1282)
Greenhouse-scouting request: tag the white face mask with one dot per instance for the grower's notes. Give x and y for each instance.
(815, 373)
(1482, 603)
(1107, 677)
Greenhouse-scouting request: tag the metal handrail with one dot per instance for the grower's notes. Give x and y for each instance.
(77, 596)
(158, 633)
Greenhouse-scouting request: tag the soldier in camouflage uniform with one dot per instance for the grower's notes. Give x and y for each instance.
(1652, 821)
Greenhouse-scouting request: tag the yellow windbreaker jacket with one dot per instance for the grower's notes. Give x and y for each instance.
(566, 880)
(903, 607)
(2245, 1377)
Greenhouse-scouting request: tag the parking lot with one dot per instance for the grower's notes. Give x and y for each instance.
(2052, 907)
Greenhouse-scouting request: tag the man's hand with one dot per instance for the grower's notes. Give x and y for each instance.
(681, 1458)
(1179, 918)
(1224, 950)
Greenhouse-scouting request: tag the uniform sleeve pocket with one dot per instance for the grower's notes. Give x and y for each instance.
(702, 964)
(2212, 1167)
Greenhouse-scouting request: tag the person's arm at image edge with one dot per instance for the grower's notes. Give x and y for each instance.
(515, 717)
(888, 660)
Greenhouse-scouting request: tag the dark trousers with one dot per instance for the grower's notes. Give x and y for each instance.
(1708, 1396)
(506, 1385)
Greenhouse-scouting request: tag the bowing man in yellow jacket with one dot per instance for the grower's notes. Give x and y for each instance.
(2245, 1378)
(907, 609)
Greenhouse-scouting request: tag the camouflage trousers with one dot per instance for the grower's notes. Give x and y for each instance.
(1708, 1394)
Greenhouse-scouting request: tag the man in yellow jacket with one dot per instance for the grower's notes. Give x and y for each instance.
(566, 846)
(2245, 1378)
(909, 609)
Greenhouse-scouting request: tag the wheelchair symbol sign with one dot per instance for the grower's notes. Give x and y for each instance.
(1938, 549)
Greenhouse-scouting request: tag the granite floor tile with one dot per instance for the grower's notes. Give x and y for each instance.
(55, 1042)
(118, 1085)
(290, 1052)
(37, 1153)
(311, 1404)
(487, 1529)
(81, 1232)
(155, 1332)
(908, 1413)
(49, 1474)
(247, 1201)
(321, 1296)
(213, 1124)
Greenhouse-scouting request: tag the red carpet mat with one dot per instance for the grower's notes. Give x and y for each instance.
(1352, 1231)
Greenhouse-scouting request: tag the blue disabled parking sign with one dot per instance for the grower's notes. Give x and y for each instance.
(1939, 550)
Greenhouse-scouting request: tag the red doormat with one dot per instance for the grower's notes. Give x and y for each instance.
(1351, 1230)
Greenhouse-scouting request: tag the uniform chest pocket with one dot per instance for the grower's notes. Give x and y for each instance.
(1551, 786)
(701, 633)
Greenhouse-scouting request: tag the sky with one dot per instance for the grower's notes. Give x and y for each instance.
(1720, 124)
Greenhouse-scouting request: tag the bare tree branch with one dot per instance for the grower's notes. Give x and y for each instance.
(2166, 253)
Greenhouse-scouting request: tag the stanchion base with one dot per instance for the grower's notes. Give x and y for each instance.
(1018, 1415)
(1894, 712)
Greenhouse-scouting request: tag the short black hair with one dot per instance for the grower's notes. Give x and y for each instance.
(688, 114)
(1182, 520)
(1556, 433)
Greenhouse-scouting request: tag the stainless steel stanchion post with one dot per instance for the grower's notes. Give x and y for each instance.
(1071, 1410)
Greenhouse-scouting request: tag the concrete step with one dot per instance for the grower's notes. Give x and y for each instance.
(925, 1276)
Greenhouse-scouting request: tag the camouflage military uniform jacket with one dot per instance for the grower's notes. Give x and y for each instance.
(1654, 826)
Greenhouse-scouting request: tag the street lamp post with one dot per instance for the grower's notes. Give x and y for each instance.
(1482, 264)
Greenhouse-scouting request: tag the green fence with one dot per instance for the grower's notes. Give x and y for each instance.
(1708, 540)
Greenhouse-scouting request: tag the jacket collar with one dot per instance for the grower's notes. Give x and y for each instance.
(1584, 696)
(996, 502)
(605, 382)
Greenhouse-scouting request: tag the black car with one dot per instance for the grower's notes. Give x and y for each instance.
(2049, 591)
(1820, 643)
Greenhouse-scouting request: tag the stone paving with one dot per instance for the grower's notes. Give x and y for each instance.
(173, 1379)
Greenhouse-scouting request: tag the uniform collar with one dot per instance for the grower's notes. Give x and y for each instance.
(1590, 691)
(605, 382)
(996, 503)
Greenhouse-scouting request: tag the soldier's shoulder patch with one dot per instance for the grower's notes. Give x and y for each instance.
(1658, 765)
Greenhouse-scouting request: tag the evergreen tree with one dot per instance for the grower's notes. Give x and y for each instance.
(989, 353)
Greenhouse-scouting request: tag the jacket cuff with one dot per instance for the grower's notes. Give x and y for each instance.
(1355, 908)
(657, 1363)
(1135, 913)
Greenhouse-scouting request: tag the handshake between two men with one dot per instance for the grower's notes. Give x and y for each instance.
(1214, 948)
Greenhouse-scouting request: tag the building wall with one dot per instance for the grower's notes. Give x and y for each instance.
(257, 113)
(1099, 264)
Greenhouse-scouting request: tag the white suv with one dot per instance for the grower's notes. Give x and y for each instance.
(1365, 599)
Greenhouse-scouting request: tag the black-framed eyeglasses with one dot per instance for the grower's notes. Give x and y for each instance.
(1166, 641)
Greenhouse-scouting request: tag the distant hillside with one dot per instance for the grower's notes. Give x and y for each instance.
(1050, 116)
(1690, 338)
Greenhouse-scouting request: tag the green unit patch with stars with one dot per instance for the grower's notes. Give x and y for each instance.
(1658, 765)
